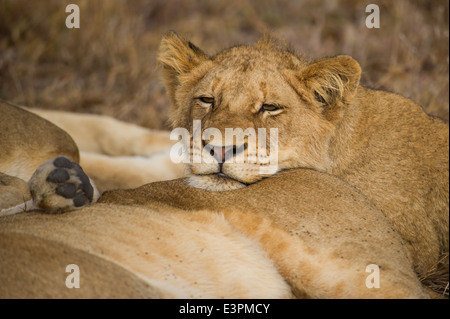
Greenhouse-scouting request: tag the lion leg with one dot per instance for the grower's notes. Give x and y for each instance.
(108, 136)
(14, 195)
(13, 191)
(123, 172)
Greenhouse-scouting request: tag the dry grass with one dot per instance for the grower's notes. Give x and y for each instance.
(436, 278)
(108, 65)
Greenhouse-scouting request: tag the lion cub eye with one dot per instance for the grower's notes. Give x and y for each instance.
(206, 100)
(274, 109)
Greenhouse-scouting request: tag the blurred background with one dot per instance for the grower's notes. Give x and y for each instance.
(108, 66)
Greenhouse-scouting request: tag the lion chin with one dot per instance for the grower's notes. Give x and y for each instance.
(215, 182)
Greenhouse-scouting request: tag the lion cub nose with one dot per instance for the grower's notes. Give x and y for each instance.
(222, 153)
(218, 152)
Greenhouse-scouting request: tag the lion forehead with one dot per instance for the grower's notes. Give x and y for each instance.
(259, 57)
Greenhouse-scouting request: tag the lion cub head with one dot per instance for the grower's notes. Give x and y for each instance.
(253, 111)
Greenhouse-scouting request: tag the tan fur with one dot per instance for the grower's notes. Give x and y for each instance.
(29, 269)
(321, 248)
(27, 141)
(105, 135)
(14, 191)
(379, 142)
(118, 172)
(179, 255)
(216, 247)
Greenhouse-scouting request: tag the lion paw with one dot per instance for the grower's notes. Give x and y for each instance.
(60, 185)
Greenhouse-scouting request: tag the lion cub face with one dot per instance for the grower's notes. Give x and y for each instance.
(254, 110)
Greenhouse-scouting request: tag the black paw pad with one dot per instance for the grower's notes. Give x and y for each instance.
(79, 200)
(58, 175)
(85, 185)
(67, 190)
(63, 162)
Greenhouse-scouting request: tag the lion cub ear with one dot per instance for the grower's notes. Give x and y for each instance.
(332, 80)
(177, 57)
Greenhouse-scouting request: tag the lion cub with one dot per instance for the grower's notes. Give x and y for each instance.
(379, 142)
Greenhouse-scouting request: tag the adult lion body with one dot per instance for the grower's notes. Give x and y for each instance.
(304, 227)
